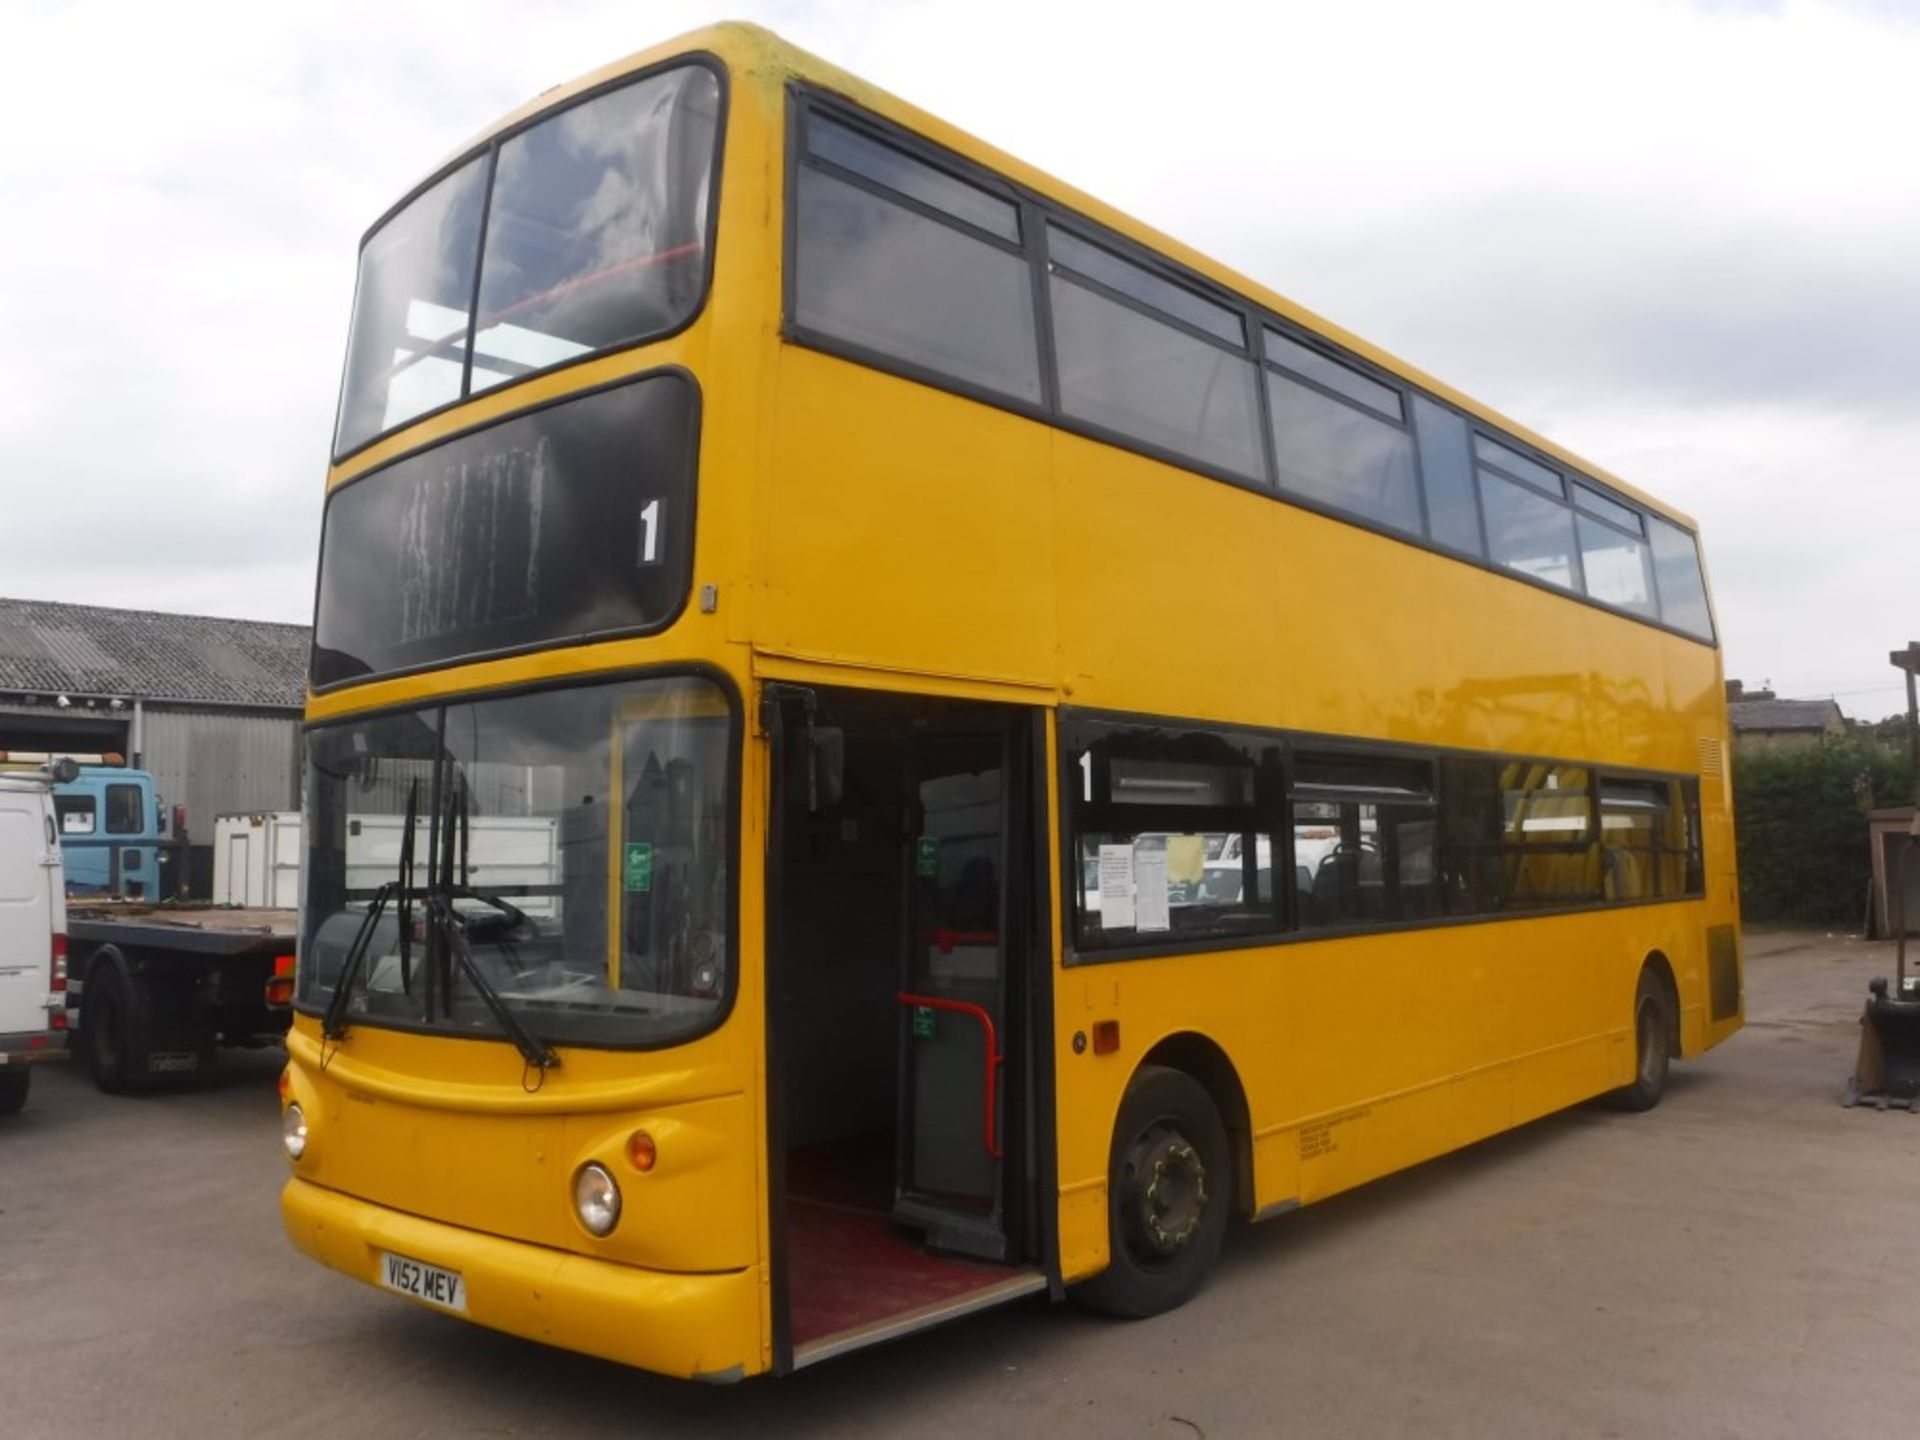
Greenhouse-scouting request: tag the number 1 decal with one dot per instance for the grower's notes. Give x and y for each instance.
(650, 536)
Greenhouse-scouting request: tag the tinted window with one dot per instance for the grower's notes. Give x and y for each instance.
(889, 279)
(126, 815)
(552, 527)
(1644, 839)
(1616, 567)
(1173, 834)
(1363, 840)
(1346, 458)
(596, 237)
(1695, 882)
(1446, 471)
(1517, 835)
(1342, 379)
(1676, 567)
(1594, 503)
(597, 821)
(865, 156)
(1134, 375)
(1136, 282)
(408, 348)
(1526, 531)
(1517, 465)
(596, 232)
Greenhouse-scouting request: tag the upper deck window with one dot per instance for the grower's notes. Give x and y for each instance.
(1132, 359)
(907, 257)
(1676, 569)
(898, 257)
(596, 236)
(1339, 436)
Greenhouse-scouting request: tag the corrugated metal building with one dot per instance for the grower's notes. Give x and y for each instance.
(210, 706)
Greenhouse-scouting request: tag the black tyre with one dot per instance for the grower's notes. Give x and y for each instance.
(110, 1029)
(15, 1081)
(1169, 1190)
(1652, 1047)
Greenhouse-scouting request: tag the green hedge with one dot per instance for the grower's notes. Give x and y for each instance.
(1801, 827)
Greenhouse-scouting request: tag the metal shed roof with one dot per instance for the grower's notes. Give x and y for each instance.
(1747, 715)
(48, 648)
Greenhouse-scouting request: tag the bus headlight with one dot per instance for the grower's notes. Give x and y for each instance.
(293, 1131)
(596, 1199)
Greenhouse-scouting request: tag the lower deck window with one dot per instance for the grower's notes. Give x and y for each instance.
(1173, 834)
(1182, 832)
(1363, 832)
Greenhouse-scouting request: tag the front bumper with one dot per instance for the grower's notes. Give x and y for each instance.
(699, 1326)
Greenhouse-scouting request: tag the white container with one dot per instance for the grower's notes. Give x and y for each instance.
(256, 860)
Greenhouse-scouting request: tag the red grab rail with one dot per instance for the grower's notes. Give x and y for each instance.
(993, 1057)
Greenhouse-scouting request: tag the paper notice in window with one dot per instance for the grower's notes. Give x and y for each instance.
(1116, 887)
(1186, 859)
(1150, 890)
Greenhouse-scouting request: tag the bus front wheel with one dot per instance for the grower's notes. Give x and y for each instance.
(1652, 1055)
(1169, 1188)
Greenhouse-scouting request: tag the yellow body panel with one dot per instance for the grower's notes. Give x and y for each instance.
(861, 529)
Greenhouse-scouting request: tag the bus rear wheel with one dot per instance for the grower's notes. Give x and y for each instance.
(1169, 1187)
(1652, 1032)
(15, 1082)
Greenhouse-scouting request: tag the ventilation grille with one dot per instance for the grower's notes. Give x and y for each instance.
(1710, 757)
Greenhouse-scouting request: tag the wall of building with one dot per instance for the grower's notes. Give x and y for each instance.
(222, 762)
(1779, 739)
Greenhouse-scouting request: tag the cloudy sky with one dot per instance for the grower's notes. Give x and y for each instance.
(1681, 238)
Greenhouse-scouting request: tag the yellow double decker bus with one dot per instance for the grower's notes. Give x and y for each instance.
(884, 738)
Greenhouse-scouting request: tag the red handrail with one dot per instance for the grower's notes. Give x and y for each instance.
(994, 1058)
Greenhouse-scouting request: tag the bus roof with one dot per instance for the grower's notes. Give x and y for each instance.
(757, 56)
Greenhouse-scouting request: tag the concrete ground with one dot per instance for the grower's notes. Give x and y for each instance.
(1744, 1261)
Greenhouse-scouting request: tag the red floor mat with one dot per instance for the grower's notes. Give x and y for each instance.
(849, 1267)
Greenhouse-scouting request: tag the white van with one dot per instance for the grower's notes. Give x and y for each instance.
(33, 936)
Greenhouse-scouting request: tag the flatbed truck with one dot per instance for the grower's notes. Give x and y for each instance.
(153, 991)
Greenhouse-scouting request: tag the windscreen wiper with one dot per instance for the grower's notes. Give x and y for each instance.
(453, 933)
(451, 929)
(333, 1025)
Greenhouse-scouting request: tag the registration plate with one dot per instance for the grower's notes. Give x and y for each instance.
(425, 1282)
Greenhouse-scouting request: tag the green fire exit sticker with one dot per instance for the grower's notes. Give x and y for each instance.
(638, 871)
(927, 857)
(923, 1022)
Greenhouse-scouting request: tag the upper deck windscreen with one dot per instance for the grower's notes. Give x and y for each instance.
(583, 232)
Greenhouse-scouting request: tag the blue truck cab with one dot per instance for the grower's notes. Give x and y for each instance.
(112, 829)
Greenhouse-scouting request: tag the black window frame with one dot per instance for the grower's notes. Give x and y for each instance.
(1074, 723)
(736, 772)
(1080, 730)
(1403, 422)
(138, 813)
(489, 151)
(696, 423)
(1036, 213)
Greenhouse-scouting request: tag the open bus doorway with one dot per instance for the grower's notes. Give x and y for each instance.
(900, 1007)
